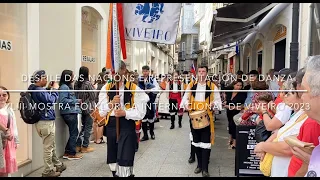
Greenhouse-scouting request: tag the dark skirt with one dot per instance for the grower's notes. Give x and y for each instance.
(123, 151)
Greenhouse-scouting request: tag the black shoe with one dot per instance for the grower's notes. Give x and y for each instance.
(153, 136)
(180, 121)
(197, 170)
(172, 127)
(114, 174)
(191, 160)
(132, 175)
(144, 138)
(205, 174)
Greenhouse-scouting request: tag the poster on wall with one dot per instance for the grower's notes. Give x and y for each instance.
(5, 45)
(152, 22)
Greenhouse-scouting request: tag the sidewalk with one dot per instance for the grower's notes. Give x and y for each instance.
(166, 156)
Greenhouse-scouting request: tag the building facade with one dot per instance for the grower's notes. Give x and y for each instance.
(188, 44)
(269, 47)
(159, 57)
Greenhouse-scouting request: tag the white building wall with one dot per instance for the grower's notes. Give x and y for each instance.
(54, 33)
(304, 28)
(266, 35)
(188, 19)
(143, 53)
(199, 11)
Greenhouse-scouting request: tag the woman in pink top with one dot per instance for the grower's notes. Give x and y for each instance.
(8, 120)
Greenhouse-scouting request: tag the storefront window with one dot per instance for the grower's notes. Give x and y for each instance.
(14, 63)
(91, 36)
(315, 31)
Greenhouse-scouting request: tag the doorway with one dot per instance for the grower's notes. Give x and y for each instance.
(91, 35)
(259, 61)
(280, 55)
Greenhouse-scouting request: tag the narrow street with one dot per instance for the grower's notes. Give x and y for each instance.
(166, 156)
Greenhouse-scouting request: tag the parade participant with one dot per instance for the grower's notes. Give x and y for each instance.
(129, 107)
(202, 97)
(151, 87)
(175, 99)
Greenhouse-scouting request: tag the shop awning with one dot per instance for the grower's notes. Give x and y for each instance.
(234, 22)
(266, 20)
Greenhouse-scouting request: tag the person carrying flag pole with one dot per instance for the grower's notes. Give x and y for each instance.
(120, 104)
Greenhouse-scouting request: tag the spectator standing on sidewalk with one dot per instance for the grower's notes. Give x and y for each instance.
(87, 97)
(98, 131)
(11, 141)
(69, 113)
(46, 126)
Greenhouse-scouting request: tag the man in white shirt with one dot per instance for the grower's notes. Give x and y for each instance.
(120, 153)
(201, 95)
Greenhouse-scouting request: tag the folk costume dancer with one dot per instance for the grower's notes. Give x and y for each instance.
(175, 97)
(202, 97)
(120, 155)
(151, 87)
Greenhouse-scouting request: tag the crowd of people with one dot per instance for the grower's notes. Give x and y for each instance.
(119, 109)
(287, 125)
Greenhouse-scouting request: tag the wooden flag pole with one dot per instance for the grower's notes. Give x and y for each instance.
(117, 118)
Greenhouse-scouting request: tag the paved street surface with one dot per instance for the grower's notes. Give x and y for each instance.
(166, 156)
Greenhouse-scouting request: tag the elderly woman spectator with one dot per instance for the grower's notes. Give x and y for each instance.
(276, 145)
(310, 82)
(309, 132)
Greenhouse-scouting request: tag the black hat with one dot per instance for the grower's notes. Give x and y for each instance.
(285, 73)
(254, 72)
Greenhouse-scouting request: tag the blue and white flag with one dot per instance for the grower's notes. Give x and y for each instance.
(152, 22)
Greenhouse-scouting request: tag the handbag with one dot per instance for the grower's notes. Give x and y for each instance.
(261, 133)
(237, 118)
(266, 163)
(4, 139)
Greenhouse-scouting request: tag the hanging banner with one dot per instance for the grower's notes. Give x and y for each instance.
(152, 22)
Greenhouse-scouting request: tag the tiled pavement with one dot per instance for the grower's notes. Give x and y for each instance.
(166, 156)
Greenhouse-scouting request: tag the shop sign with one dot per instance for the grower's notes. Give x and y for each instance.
(88, 59)
(5, 45)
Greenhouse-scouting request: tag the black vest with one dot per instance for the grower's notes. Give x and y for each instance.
(124, 123)
(171, 85)
(207, 93)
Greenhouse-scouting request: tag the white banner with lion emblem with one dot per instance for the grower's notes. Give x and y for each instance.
(152, 22)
